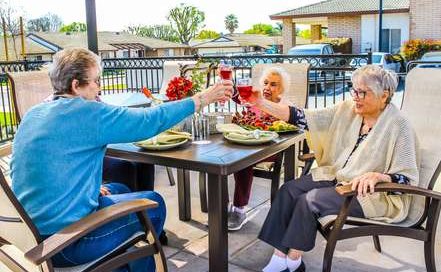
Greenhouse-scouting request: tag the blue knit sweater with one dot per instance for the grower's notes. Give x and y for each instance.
(58, 151)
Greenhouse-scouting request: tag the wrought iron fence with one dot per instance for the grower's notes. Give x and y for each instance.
(329, 77)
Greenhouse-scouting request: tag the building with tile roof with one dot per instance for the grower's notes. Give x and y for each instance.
(359, 20)
(239, 43)
(33, 51)
(111, 44)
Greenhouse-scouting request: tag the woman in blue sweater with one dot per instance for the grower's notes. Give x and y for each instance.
(59, 147)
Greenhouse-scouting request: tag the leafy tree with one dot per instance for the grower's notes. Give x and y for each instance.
(74, 27)
(162, 32)
(231, 22)
(47, 23)
(11, 17)
(263, 29)
(186, 21)
(208, 34)
(305, 33)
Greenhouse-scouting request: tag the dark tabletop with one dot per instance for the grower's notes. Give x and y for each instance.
(218, 157)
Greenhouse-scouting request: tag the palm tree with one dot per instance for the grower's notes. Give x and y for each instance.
(231, 22)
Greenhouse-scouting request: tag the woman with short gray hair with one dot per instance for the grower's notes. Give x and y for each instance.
(57, 160)
(362, 142)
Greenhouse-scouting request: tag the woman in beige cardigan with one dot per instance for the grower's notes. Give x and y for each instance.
(362, 142)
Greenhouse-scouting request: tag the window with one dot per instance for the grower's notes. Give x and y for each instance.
(391, 40)
(125, 53)
(169, 52)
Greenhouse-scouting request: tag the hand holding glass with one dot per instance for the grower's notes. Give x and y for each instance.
(245, 90)
(225, 73)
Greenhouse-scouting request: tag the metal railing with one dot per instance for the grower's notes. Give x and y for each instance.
(329, 77)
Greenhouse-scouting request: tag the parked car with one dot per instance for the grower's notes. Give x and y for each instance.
(317, 77)
(386, 60)
(312, 49)
(431, 56)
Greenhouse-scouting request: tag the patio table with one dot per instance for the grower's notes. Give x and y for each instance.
(126, 99)
(218, 159)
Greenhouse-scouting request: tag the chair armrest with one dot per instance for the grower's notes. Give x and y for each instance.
(307, 157)
(346, 190)
(73, 232)
(6, 149)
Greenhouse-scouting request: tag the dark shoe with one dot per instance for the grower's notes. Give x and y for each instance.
(163, 238)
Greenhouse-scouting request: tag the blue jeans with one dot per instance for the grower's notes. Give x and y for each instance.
(104, 239)
(137, 176)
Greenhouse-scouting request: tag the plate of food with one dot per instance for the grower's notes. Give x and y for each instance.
(254, 137)
(251, 120)
(164, 141)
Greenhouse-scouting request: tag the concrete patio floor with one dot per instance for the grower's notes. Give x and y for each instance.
(187, 250)
(188, 241)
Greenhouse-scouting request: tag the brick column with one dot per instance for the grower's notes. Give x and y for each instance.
(289, 34)
(316, 32)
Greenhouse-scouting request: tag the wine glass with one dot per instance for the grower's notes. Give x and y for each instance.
(245, 89)
(225, 73)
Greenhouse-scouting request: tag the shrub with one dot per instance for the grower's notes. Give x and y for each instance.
(415, 49)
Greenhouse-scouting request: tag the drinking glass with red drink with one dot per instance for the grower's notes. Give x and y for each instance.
(245, 89)
(225, 73)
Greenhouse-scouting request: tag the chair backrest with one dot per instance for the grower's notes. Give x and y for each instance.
(422, 106)
(176, 68)
(29, 89)
(297, 89)
(16, 228)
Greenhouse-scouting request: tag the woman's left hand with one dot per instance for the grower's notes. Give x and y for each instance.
(366, 182)
(104, 191)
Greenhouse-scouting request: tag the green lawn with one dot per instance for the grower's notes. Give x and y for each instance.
(7, 119)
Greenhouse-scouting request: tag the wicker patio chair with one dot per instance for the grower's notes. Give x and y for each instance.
(296, 93)
(23, 249)
(421, 105)
(29, 89)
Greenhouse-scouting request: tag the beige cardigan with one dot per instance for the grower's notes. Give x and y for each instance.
(391, 148)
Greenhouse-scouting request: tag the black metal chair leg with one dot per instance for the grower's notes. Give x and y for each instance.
(429, 255)
(377, 244)
(203, 191)
(329, 254)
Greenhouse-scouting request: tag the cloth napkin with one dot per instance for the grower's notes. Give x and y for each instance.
(234, 131)
(167, 137)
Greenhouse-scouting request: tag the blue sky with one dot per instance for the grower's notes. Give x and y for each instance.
(116, 15)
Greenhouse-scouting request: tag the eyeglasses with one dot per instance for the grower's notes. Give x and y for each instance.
(97, 81)
(358, 94)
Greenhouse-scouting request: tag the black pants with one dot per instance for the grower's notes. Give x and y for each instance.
(137, 176)
(292, 220)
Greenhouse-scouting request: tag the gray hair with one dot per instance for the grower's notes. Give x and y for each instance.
(274, 70)
(70, 64)
(377, 79)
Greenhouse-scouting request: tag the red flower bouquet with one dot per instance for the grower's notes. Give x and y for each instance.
(179, 87)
